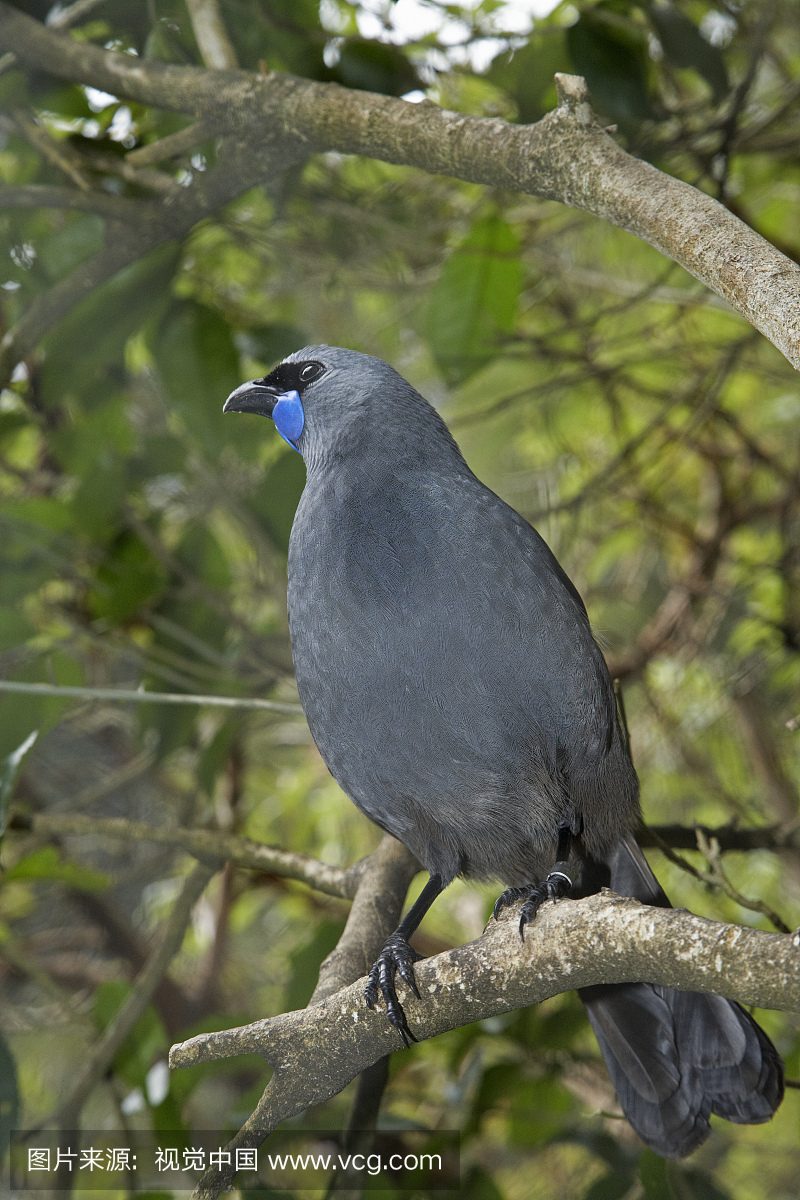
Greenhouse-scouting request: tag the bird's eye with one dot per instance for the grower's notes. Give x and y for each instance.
(311, 371)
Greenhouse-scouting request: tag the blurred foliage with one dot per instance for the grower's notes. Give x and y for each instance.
(648, 431)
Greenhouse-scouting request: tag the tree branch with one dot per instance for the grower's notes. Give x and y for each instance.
(59, 154)
(241, 851)
(567, 156)
(240, 168)
(216, 48)
(728, 837)
(715, 877)
(116, 208)
(345, 882)
(62, 16)
(136, 696)
(375, 913)
(377, 905)
(602, 939)
(170, 146)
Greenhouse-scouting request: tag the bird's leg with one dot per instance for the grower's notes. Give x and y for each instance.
(557, 884)
(397, 957)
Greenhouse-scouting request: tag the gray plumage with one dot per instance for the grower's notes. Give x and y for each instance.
(452, 684)
(427, 637)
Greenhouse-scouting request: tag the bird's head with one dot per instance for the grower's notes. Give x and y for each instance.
(326, 401)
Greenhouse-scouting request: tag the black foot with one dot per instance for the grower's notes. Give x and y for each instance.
(555, 887)
(396, 958)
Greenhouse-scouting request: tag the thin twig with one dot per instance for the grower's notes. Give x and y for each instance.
(142, 697)
(38, 195)
(716, 877)
(241, 851)
(709, 847)
(60, 154)
(170, 146)
(62, 16)
(730, 837)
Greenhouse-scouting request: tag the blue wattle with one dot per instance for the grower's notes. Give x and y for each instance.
(289, 417)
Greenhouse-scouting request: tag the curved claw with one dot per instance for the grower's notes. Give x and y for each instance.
(536, 897)
(555, 887)
(396, 957)
(507, 898)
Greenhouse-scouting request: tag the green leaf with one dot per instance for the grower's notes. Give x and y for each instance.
(145, 1041)
(275, 501)
(64, 249)
(479, 1185)
(93, 334)
(685, 46)
(200, 552)
(37, 511)
(9, 1096)
(696, 1185)
(11, 423)
(98, 499)
(655, 1179)
(8, 775)
(215, 755)
(304, 963)
(128, 578)
(270, 343)
(13, 90)
(167, 43)
(45, 863)
(103, 431)
(14, 628)
(175, 725)
(475, 299)
(24, 565)
(615, 65)
(538, 1110)
(199, 363)
(609, 1187)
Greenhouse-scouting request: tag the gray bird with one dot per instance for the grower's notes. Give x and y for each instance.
(450, 679)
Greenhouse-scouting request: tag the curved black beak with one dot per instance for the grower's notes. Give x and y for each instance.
(252, 397)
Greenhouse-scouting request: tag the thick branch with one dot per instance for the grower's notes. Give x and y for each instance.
(573, 944)
(377, 905)
(566, 156)
(375, 912)
(601, 939)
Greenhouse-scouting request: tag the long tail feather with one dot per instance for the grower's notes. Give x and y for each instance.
(677, 1057)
